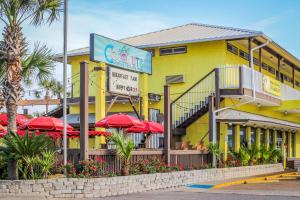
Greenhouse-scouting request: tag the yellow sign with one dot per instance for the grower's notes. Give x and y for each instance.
(271, 86)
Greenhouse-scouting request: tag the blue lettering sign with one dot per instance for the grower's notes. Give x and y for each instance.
(103, 49)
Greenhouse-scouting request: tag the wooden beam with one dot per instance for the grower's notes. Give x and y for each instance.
(217, 87)
(167, 124)
(293, 73)
(84, 110)
(260, 59)
(249, 49)
(35, 102)
(278, 65)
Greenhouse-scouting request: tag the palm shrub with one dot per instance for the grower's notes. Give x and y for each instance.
(124, 147)
(15, 148)
(38, 166)
(214, 149)
(265, 154)
(275, 154)
(241, 155)
(253, 153)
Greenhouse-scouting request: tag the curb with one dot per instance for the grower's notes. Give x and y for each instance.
(262, 179)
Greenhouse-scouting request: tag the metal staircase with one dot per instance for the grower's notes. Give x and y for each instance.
(193, 103)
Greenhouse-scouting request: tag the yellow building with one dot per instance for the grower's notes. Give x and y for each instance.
(199, 61)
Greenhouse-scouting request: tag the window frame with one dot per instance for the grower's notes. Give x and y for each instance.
(172, 49)
(232, 49)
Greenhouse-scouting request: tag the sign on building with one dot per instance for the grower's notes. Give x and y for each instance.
(123, 82)
(103, 49)
(271, 86)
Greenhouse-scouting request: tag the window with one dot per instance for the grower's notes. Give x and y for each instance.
(264, 66)
(244, 55)
(175, 79)
(271, 137)
(262, 137)
(230, 135)
(279, 139)
(173, 50)
(255, 61)
(271, 70)
(233, 49)
(253, 136)
(293, 144)
(243, 140)
(286, 78)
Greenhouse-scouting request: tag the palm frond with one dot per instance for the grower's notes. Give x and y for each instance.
(46, 11)
(39, 64)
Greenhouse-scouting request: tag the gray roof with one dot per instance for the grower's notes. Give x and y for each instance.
(184, 34)
(188, 33)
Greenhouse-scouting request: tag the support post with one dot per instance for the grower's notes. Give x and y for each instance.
(258, 138)
(100, 100)
(260, 59)
(144, 95)
(267, 138)
(241, 87)
(84, 110)
(293, 76)
(211, 110)
(217, 85)
(212, 126)
(167, 124)
(278, 66)
(249, 49)
(237, 139)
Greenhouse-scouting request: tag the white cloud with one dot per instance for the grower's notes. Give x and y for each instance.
(264, 24)
(83, 21)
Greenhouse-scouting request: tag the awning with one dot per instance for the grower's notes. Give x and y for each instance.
(250, 119)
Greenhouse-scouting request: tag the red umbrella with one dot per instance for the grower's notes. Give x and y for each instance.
(149, 127)
(119, 121)
(46, 124)
(21, 119)
(2, 129)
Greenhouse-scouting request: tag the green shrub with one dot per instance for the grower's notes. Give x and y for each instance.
(88, 168)
(150, 166)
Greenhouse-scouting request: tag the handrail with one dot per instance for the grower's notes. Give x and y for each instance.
(194, 85)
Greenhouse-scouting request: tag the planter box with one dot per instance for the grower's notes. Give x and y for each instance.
(110, 186)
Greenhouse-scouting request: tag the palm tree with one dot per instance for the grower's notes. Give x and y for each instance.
(124, 148)
(58, 90)
(14, 148)
(49, 86)
(36, 67)
(14, 14)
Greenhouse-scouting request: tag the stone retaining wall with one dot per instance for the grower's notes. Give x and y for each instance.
(110, 186)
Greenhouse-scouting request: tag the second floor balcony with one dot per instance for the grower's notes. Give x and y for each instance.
(237, 80)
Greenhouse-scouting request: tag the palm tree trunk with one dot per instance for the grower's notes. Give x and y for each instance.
(125, 168)
(13, 48)
(11, 107)
(12, 169)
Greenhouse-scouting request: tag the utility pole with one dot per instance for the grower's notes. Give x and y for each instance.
(65, 60)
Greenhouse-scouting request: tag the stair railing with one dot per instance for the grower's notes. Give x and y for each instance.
(192, 100)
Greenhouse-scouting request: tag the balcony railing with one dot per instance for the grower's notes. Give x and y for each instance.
(230, 79)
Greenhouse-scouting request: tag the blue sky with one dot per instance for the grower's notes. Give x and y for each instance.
(122, 18)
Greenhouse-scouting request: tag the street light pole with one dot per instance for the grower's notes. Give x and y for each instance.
(65, 82)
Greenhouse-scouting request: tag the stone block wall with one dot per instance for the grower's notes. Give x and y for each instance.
(111, 186)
